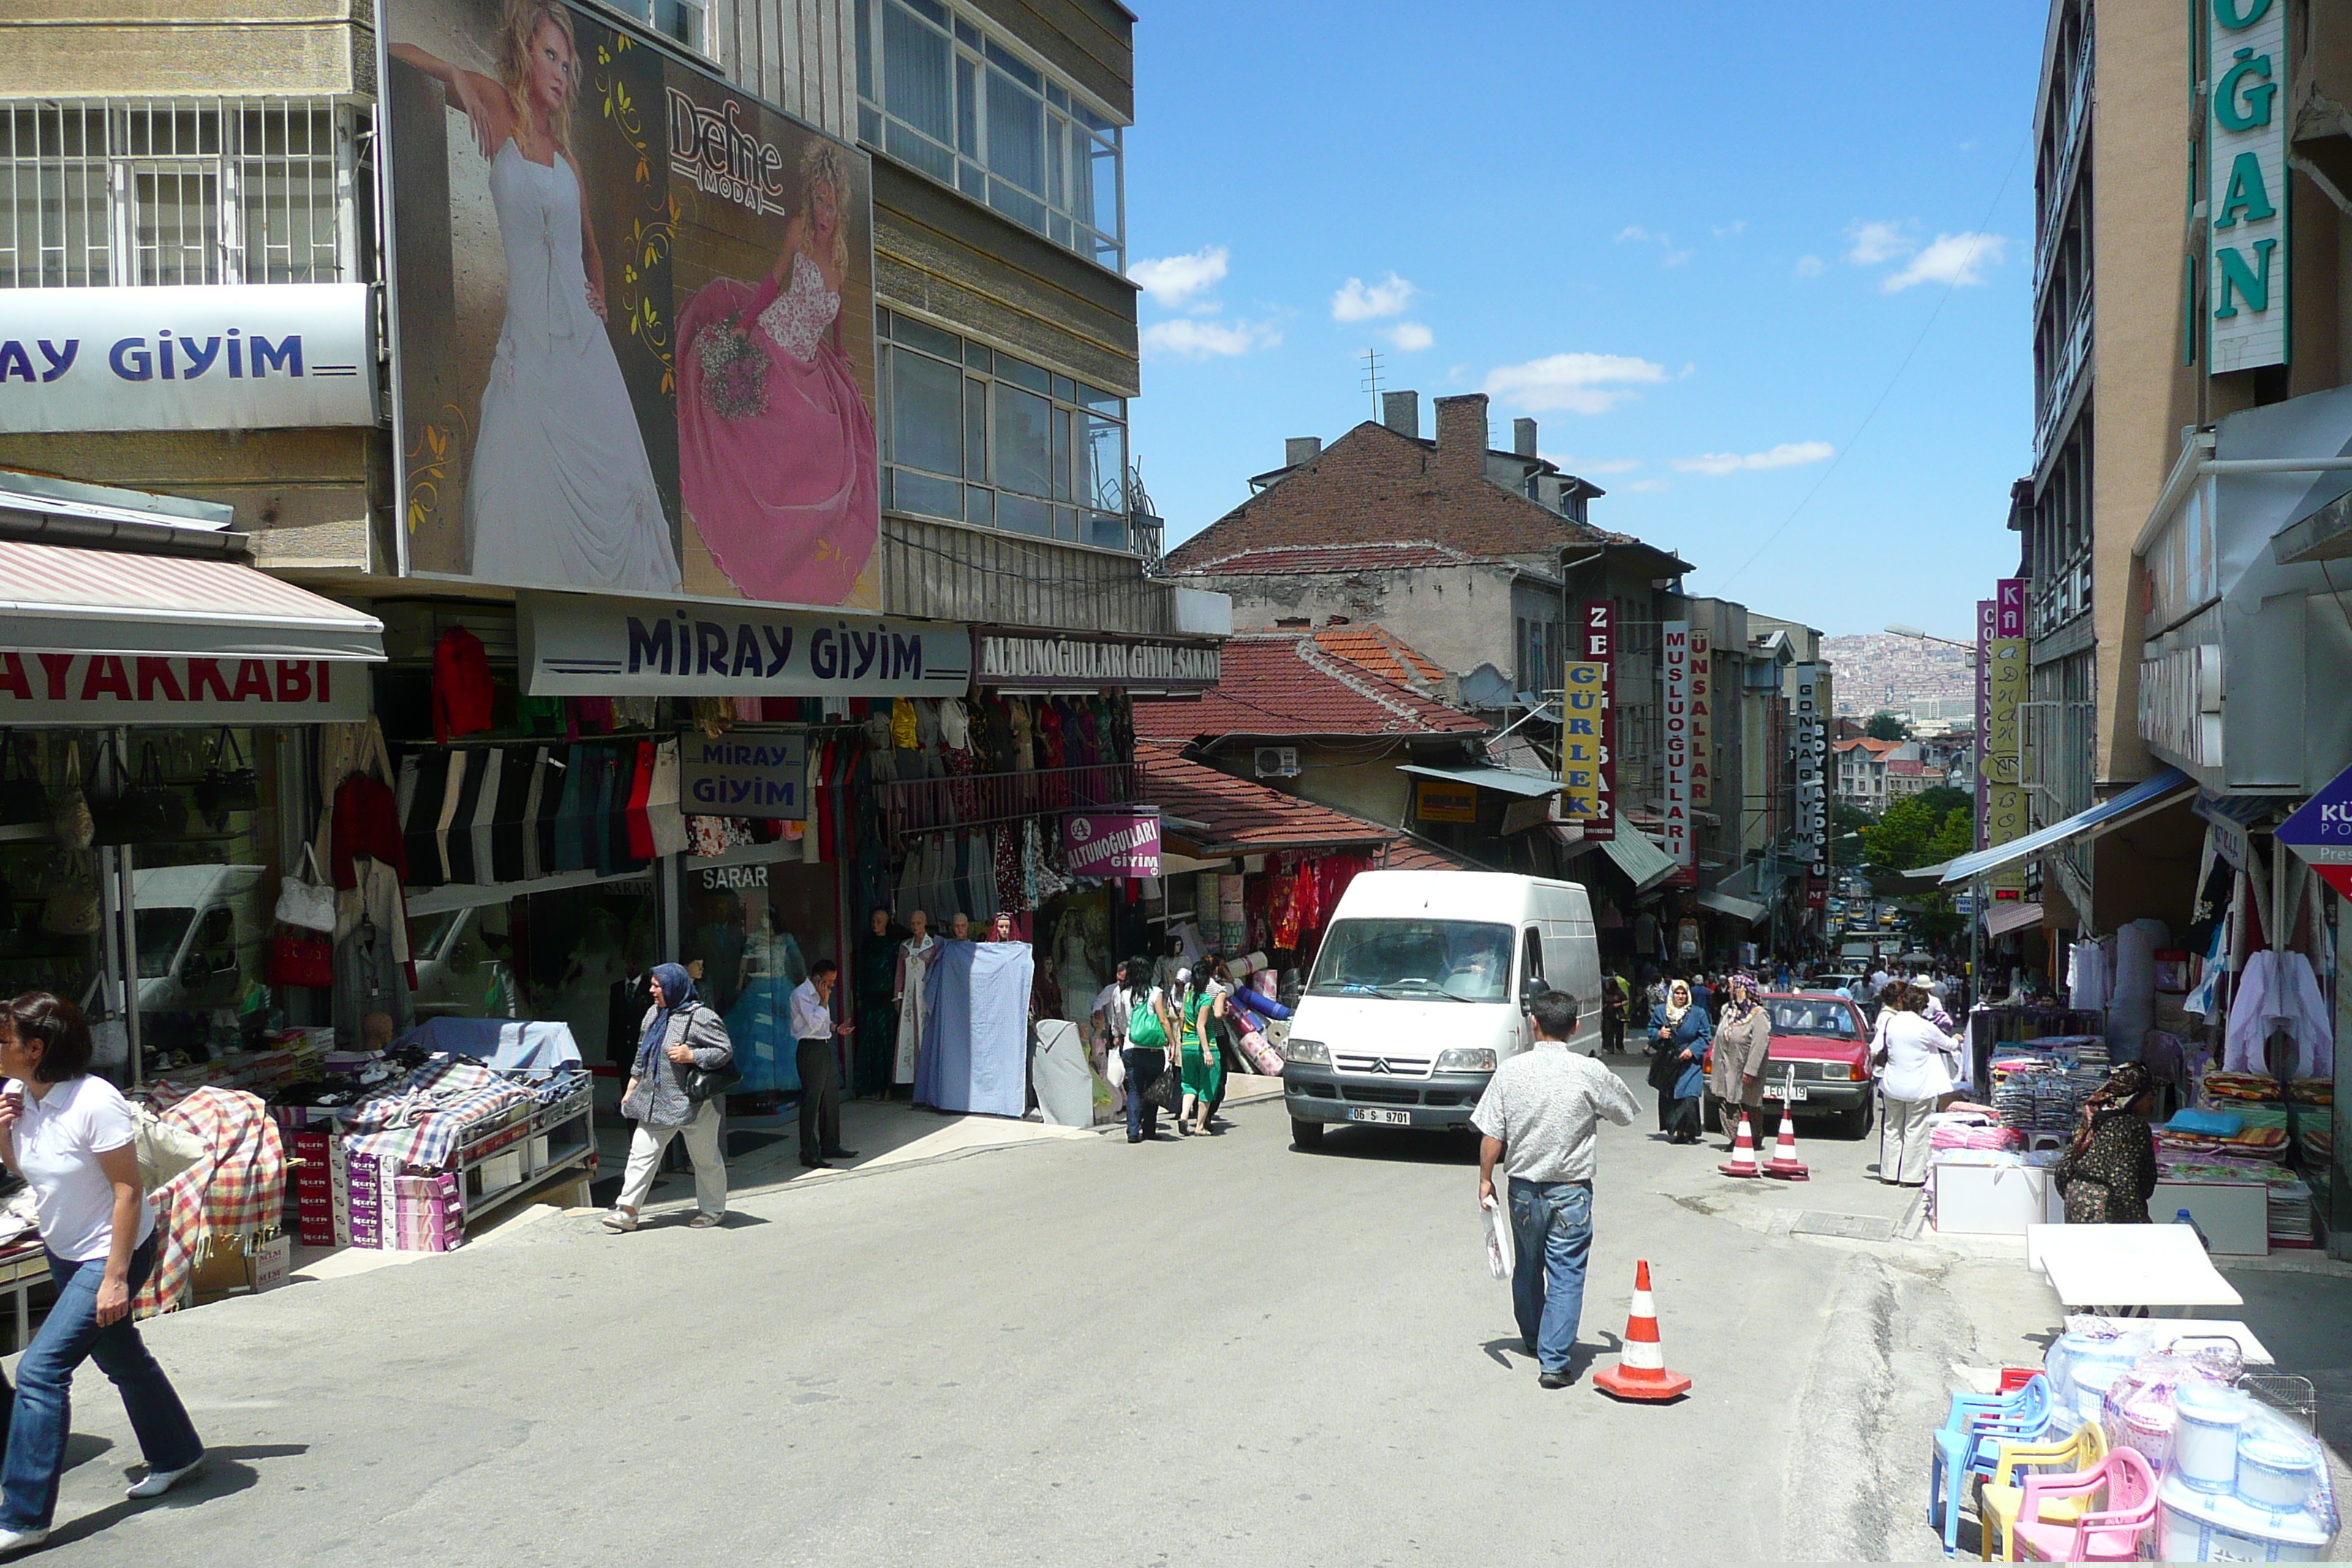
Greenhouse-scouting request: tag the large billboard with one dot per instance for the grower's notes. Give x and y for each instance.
(636, 317)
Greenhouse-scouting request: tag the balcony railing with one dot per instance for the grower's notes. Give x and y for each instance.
(912, 806)
(2059, 390)
(2050, 221)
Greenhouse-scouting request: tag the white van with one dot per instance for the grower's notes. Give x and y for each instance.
(1421, 988)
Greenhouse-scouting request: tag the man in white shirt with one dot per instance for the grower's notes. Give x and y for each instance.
(813, 1027)
(1538, 1114)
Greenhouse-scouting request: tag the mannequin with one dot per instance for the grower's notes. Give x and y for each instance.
(1074, 965)
(915, 956)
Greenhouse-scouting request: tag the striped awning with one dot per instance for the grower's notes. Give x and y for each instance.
(58, 599)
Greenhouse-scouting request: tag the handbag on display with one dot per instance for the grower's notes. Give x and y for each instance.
(306, 901)
(225, 789)
(75, 827)
(23, 797)
(145, 810)
(165, 1149)
(300, 958)
(71, 908)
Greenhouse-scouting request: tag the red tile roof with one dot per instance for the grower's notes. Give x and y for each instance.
(1317, 558)
(1284, 683)
(1240, 817)
(1381, 651)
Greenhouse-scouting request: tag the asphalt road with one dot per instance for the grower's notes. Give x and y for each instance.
(1211, 1352)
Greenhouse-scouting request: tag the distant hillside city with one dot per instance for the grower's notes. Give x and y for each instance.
(1918, 680)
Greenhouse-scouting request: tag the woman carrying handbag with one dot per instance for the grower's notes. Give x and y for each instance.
(677, 1083)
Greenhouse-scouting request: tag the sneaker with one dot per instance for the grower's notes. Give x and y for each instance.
(620, 1219)
(1560, 1379)
(19, 1540)
(1135, 1137)
(155, 1483)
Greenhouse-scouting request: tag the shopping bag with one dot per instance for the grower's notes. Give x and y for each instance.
(1499, 1254)
(1115, 1066)
(306, 901)
(165, 1149)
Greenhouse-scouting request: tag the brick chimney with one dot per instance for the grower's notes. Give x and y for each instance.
(1300, 450)
(1462, 437)
(1400, 412)
(1523, 437)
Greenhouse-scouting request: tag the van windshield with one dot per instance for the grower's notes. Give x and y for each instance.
(1461, 961)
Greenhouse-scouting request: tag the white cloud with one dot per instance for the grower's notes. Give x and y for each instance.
(1786, 455)
(1174, 279)
(1357, 302)
(1636, 233)
(1411, 336)
(1645, 486)
(1676, 257)
(1738, 225)
(1877, 241)
(1810, 265)
(1579, 383)
(1952, 258)
(1189, 337)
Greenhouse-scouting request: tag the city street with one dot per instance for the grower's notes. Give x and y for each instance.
(1211, 1352)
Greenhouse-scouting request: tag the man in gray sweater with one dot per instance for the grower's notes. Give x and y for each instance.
(1538, 1114)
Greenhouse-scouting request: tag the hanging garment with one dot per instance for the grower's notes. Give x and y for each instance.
(1016, 715)
(461, 686)
(902, 723)
(518, 779)
(364, 820)
(2278, 984)
(546, 805)
(874, 1048)
(492, 770)
(2205, 998)
(1007, 841)
(980, 849)
(910, 987)
(563, 842)
(2086, 976)
(668, 823)
(424, 785)
(369, 978)
(375, 895)
(453, 793)
(601, 816)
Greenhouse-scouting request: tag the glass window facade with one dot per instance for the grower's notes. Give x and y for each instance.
(978, 436)
(937, 93)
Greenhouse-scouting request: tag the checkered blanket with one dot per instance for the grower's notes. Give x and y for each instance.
(237, 1193)
(423, 1120)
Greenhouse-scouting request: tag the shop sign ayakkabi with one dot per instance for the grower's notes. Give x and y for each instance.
(1584, 695)
(582, 645)
(205, 357)
(747, 772)
(2321, 832)
(2246, 183)
(1093, 662)
(39, 688)
(1682, 848)
(1111, 843)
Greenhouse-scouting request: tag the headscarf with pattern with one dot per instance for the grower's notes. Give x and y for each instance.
(1747, 996)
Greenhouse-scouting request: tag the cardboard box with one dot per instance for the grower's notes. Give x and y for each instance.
(1991, 1200)
(500, 1172)
(270, 1261)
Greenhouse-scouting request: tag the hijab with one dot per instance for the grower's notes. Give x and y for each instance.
(1744, 998)
(1678, 1001)
(676, 989)
(2120, 1091)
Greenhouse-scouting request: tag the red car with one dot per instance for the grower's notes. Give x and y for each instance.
(1820, 1061)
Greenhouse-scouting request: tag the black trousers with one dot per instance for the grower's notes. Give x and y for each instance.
(1612, 1031)
(820, 1098)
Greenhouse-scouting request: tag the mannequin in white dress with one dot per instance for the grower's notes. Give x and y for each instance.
(560, 491)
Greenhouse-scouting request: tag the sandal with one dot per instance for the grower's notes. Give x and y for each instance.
(706, 1222)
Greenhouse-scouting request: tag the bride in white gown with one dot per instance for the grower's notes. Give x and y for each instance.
(560, 492)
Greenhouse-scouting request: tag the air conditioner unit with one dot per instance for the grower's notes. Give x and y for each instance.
(1277, 762)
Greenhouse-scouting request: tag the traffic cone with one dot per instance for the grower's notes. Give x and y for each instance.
(1743, 1152)
(1785, 1163)
(1641, 1370)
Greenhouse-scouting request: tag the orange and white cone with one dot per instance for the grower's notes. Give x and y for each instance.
(1785, 1164)
(1641, 1370)
(1743, 1152)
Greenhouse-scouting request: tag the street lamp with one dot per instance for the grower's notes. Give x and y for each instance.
(1896, 629)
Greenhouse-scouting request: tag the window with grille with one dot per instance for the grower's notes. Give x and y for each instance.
(972, 433)
(939, 92)
(159, 193)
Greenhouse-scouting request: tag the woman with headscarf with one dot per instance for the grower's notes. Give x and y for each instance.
(2108, 1173)
(1916, 1064)
(678, 1037)
(1679, 1031)
(1743, 1039)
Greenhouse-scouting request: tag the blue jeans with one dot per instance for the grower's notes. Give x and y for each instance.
(1551, 1232)
(1144, 1066)
(41, 1413)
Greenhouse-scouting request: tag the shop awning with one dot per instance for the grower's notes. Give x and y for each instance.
(2140, 800)
(1731, 904)
(1507, 781)
(2004, 918)
(57, 599)
(1638, 856)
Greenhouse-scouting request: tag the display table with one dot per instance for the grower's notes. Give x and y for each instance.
(2166, 1333)
(2126, 1266)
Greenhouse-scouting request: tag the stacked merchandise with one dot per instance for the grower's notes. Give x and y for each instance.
(2238, 1132)
(2313, 1099)
(2039, 1085)
(377, 1207)
(273, 1060)
(1233, 913)
(399, 1183)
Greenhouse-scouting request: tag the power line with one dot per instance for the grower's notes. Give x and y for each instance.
(1942, 299)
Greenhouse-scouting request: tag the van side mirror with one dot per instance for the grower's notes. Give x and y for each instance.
(1530, 988)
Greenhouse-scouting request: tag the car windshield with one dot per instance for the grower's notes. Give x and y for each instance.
(1466, 961)
(1826, 1020)
(160, 931)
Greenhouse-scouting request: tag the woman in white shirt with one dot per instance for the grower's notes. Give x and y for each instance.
(73, 1138)
(1915, 1063)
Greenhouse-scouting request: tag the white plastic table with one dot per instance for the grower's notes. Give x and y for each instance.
(2165, 1331)
(2128, 1266)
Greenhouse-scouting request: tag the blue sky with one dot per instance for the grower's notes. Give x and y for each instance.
(1695, 241)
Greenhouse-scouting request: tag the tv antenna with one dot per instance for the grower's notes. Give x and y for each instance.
(1372, 380)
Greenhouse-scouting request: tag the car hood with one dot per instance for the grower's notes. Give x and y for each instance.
(1382, 1025)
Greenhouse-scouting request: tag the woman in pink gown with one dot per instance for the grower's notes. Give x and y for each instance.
(775, 444)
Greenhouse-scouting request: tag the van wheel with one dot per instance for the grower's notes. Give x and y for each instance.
(1306, 1135)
